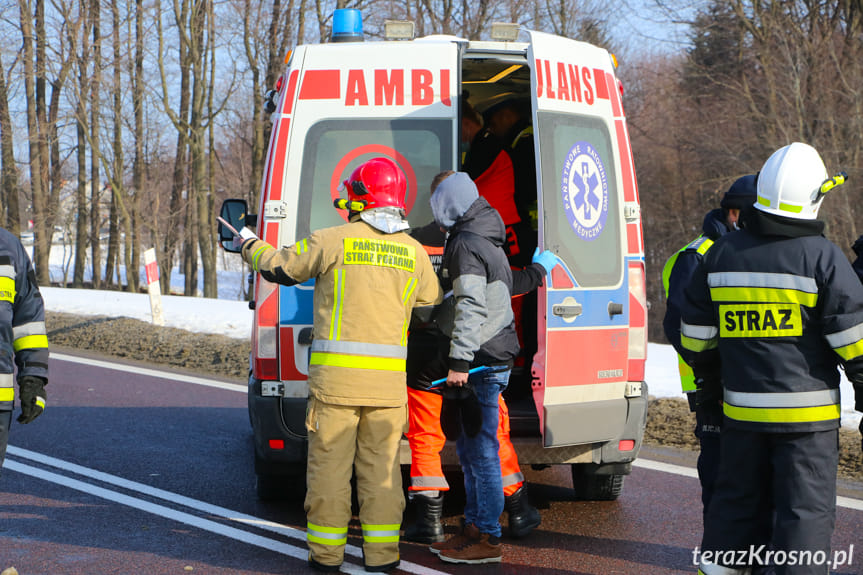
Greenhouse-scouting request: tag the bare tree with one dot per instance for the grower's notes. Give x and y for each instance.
(9, 187)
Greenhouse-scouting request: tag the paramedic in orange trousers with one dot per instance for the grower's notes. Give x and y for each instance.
(427, 354)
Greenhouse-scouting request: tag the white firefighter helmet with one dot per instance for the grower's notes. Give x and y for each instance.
(789, 183)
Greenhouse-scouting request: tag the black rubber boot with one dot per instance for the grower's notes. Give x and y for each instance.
(523, 517)
(427, 527)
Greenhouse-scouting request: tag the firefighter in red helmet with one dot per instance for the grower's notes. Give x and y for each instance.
(369, 275)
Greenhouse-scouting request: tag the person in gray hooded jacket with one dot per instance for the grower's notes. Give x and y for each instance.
(478, 319)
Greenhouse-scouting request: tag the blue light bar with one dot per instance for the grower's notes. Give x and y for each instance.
(347, 25)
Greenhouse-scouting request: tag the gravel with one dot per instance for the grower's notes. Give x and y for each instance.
(669, 422)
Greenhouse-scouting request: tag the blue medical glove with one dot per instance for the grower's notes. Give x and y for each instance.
(546, 259)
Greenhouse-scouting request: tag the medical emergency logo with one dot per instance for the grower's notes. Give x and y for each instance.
(584, 187)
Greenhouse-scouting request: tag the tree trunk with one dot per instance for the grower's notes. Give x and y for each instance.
(9, 188)
(95, 126)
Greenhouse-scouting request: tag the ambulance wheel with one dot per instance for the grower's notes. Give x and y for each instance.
(281, 487)
(589, 486)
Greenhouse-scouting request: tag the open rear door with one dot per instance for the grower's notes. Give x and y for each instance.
(580, 372)
(352, 102)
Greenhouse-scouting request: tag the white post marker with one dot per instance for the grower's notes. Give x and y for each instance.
(152, 268)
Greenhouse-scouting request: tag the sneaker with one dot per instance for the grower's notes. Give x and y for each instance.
(486, 549)
(468, 532)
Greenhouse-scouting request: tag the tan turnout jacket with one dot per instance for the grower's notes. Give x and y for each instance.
(366, 285)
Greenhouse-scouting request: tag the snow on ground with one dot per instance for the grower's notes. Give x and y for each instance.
(234, 319)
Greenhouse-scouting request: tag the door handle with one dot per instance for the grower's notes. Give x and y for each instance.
(566, 310)
(614, 309)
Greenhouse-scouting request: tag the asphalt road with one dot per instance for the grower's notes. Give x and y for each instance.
(137, 471)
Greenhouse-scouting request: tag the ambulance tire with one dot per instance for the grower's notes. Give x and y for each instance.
(590, 486)
(281, 487)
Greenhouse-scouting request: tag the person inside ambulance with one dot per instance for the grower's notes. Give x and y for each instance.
(676, 274)
(369, 276)
(507, 118)
(428, 349)
(486, 162)
(768, 316)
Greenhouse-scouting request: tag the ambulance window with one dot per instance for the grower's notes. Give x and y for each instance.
(580, 197)
(426, 146)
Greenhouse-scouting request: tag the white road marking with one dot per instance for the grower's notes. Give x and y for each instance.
(169, 513)
(847, 502)
(841, 501)
(161, 374)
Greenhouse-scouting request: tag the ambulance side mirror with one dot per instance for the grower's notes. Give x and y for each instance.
(234, 212)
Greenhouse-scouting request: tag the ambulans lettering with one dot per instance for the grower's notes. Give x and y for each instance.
(569, 82)
(379, 87)
(760, 320)
(365, 251)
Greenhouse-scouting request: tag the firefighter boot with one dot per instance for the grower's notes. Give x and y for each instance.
(523, 517)
(427, 527)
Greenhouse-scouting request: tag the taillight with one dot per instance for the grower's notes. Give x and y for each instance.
(637, 321)
(265, 347)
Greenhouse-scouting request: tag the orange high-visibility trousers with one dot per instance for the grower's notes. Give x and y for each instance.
(426, 439)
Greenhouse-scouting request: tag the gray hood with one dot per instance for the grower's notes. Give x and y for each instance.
(452, 198)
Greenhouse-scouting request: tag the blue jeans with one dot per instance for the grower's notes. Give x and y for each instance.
(479, 457)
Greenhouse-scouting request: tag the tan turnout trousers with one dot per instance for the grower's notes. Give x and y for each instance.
(365, 440)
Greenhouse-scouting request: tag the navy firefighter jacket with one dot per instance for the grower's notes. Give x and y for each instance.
(23, 340)
(779, 307)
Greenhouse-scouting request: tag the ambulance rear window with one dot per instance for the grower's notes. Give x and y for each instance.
(422, 148)
(580, 197)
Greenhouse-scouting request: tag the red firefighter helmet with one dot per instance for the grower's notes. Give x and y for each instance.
(377, 183)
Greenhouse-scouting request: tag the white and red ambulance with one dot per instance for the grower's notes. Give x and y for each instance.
(581, 399)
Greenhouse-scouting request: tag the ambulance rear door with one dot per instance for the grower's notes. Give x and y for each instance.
(354, 102)
(580, 370)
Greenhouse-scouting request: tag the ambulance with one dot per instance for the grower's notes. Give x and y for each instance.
(580, 400)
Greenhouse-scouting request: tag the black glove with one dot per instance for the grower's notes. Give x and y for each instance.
(708, 392)
(32, 397)
(460, 410)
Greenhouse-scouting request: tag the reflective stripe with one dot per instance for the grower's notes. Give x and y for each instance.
(512, 479)
(357, 361)
(359, 348)
(32, 328)
(40, 401)
(31, 342)
(381, 533)
(7, 394)
(7, 271)
(697, 345)
(326, 535)
(302, 247)
(338, 297)
(430, 482)
(762, 280)
(847, 343)
(406, 297)
(698, 338)
(7, 380)
(257, 255)
(789, 399)
(771, 295)
(705, 332)
(782, 415)
(7, 289)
